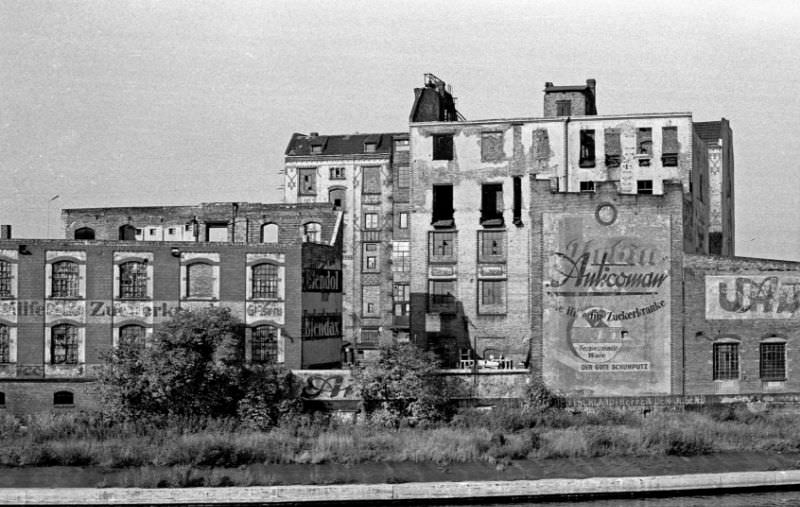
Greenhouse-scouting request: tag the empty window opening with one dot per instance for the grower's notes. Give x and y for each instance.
(127, 232)
(442, 147)
(84, 233)
(644, 145)
(587, 186)
(613, 147)
(63, 398)
(587, 149)
(492, 205)
(518, 201)
(217, 232)
(2, 399)
(442, 206)
(644, 186)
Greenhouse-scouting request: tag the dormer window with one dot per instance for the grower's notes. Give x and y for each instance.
(316, 149)
(370, 147)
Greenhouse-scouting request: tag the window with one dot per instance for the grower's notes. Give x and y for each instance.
(492, 205)
(441, 295)
(492, 296)
(269, 233)
(5, 279)
(370, 300)
(264, 345)
(402, 220)
(669, 146)
(370, 147)
(65, 279)
(518, 201)
(587, 149)
(337, 173)
(442, 246)
(372, 180)
(127, 232)
(131, 335)
(200, 280)
(64, 344)
(492, 246)
(403, 177)
(401, 145)
(644, 145)
(336, 196)
(265, 281)
(370, 258)
(312, 232)
(492, 147)
(217, 232)
(152, 231)
(133, 280)
(442, 206)
(401, 299)
(369, 337)
(316, 149)
(63, 398)
(587, 186)
(726, 361)
(5, 344)
(401, 256)
(371, 221)
(2, 399)
(171, 231)
(644, 186)
(84, 233)
(563, 107)
(772, 361)
(308, 181)
(540, 139)
(442, 147)
(613, 147)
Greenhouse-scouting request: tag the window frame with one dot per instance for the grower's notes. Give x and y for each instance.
(772, 369)
(68, 342)
(65, 284)
(588, 149)
(337, 173)
(367, 248)
(137, 341)
(498, 304)
(195, 265)
(264, 344)
(586, 187)
(490, 254)
(440, 299)
(643, 188)
(371, 185)
(442, 146)
(311, 187)
(492, 205)
(401, 256)
(136, 282)
(6, 279)
(563, 104)
(402, 220)
(372, 221)
(727, 367)
(449, 252)
(5, 344)
(265, 281)
(312, 232)
(401, 297)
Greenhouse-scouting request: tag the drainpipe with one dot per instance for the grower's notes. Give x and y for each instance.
(566, 154)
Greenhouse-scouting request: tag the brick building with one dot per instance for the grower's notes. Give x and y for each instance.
(718, 138)
(63, 303)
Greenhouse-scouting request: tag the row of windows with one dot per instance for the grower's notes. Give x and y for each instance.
(771, 361)
(65, 345)
(642, 186)
(60, 398)
(214, 232)
(133, 280)
(442, 296)
(370, 179)
(491, 246)
(492, 205)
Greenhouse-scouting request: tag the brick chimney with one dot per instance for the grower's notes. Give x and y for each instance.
(5, 231)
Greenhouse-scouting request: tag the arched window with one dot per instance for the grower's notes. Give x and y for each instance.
(133, 280)
(84, 233)
(264, 344)
(199, 280)
(5, 344)
(336, 196)
(269, 233)
(65, 279)
(312, 232)
(63, 398)
(5, 279)
(64, 344)
(131, 335)
(127, 232)
(265, 281)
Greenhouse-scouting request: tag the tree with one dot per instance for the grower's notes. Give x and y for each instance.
(403, 386)
(195, 366)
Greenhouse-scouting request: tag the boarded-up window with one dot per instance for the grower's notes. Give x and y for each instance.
(200, 280)
(308, 181)
(541, 144)
(372, 180)
(563, 107)
(613, 148)
(269, 233)
(492, 147)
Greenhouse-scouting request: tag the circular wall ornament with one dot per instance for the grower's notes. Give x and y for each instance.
(606, 213)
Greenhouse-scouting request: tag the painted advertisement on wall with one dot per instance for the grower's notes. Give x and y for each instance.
(606, 303)
(747, 297)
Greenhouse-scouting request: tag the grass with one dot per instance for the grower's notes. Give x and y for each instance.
(196, 451)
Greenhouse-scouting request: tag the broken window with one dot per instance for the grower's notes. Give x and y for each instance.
(369, 261)
(308, 181)
(371, 180)
(336, 196)
(492, 147)
(442, 206)
(563, 107)
(443, 147)
(491, 246)
(669, 148)
(6, 278)
(613, 148)
(644, 187)
(587, 186)
(587, 149)
(492, 205)
(441, 246)
(65, 276)
(644, 145)
(312, 232)
(441, 296)
(518, 201)
(401, 299)
(133, 280)
(64, 344)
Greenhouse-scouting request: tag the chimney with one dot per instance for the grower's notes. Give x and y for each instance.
(315, 134)
(548, 85)
(591, 83)
(5, 232)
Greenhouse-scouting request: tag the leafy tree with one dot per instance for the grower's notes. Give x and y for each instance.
(194, 367)
(403, 387)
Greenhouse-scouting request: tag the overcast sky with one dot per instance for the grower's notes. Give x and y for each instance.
(180, 102)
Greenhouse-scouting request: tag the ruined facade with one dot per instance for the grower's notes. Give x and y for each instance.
(718, 137)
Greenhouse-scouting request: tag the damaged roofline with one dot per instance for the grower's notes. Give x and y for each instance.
(557, 119)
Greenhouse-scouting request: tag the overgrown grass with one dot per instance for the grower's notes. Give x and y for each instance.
(499, 435)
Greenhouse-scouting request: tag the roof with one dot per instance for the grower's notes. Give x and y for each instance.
(352, 144)
(708, 131)
(572, 88)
